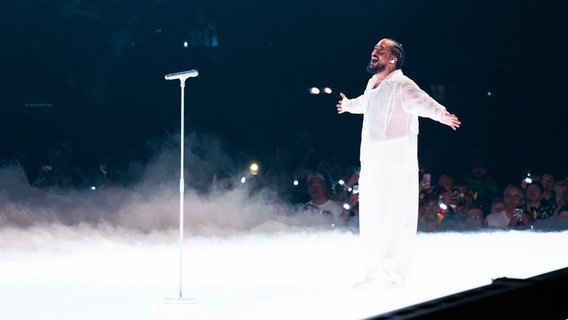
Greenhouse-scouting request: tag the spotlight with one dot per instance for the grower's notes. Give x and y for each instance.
(253, 169)
(327, 90)
(314, 90)
(185, 44)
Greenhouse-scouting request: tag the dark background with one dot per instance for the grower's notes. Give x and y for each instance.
(91, 74)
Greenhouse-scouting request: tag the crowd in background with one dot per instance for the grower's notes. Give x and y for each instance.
(325, 192)
(472, 202)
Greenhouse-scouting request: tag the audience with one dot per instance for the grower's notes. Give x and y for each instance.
(329, 195)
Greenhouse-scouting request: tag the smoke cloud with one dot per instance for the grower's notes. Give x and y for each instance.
(215, 201)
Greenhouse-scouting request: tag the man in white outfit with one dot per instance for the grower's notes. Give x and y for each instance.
(388, 183)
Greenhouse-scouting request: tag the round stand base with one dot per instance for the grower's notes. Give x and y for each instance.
(180, 300)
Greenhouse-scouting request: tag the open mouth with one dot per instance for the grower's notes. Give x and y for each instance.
(374, 59)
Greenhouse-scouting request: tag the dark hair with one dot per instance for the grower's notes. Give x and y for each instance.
(536, 183)
(429, 197)
(398, 51)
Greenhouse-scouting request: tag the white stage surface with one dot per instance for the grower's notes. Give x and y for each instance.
(78, 272)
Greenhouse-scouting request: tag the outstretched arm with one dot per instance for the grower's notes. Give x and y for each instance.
(450, 120)
(351, 105)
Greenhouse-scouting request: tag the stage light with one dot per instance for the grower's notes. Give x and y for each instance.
(253, 169)
(327, 90)
(314, 90)
(185, 44)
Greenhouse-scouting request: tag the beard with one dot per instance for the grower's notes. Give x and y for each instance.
(375, 69)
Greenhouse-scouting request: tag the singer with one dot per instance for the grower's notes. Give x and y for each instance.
(388, 183)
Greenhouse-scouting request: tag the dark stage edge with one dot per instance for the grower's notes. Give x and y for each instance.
(543, 297)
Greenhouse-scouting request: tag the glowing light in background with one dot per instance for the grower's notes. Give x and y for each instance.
(254, 168)
(316, 90)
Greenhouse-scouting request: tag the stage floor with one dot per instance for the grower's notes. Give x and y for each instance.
(53, 271)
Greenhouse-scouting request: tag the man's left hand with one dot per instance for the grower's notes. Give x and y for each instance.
(450, 120)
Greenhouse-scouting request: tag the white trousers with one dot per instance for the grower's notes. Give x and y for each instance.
(388, 204)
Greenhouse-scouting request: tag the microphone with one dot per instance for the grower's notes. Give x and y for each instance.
(182, 75)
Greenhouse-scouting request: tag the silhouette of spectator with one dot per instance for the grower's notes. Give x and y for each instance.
(350, 196)
(534, 203)
(547, 180)
(514, 199)
(322, 208)
(446, 190)
(430, 218)
(482, 185)
(497, 205)
(560, 200)
(474, 218)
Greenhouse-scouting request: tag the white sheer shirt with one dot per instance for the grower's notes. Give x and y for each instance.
(391, 110)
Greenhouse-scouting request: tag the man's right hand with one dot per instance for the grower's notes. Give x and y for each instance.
(340, 102)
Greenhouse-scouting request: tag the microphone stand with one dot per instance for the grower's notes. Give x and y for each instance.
(180, 299)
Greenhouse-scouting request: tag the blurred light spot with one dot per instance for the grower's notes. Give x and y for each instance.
(253, 169)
